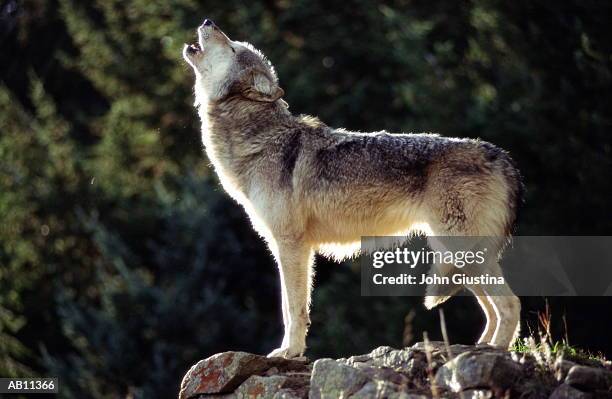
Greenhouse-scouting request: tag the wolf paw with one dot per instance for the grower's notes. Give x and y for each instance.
(287, 353)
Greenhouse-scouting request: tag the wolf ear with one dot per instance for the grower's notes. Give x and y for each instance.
(261, 88)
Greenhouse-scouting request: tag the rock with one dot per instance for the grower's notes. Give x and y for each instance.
(589, 378)
(438, 348)
(410, 362)
(565, 391)
(277, 386)
(383, 356)
(479, 369)
(378, 389)
(224, 372)
(331, 379)
(562, 368)
(343, 378)
(469, 372)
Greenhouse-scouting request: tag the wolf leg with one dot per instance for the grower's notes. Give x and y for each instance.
(487, 306)
(436, 294)
(285, 309)
(295, 265)
(507, 307)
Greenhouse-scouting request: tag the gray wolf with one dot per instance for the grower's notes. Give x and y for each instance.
(308, 187)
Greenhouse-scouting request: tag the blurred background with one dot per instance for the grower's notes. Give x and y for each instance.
(122, 262)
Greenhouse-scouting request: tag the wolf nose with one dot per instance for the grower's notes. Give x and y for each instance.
(208, 22)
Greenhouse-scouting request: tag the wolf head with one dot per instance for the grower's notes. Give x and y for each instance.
(225, 68)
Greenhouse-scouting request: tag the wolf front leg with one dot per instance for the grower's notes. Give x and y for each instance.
(295, 267)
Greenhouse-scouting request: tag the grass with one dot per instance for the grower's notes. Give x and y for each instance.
(546, 349)
(556, 349)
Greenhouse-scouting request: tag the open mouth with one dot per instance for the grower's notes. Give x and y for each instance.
(193, 48)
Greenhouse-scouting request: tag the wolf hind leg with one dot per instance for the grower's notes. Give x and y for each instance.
(489, 310)
(507, 307)
(436, 294)
(439, 293)
(500, 310)
(501, 307)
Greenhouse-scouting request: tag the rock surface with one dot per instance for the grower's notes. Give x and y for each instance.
(227, 371)
(480, 368)
(589, 378)
(417, 372)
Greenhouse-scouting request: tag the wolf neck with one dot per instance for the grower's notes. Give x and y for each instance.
(236, 134)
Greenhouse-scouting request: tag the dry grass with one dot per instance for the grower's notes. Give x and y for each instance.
(547, 349)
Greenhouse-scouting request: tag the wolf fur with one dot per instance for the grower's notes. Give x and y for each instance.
(308, 187)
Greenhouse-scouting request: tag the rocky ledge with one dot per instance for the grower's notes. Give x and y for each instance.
(419, 371)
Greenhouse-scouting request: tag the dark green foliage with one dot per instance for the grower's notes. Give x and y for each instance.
(156, 311)
(122, 261)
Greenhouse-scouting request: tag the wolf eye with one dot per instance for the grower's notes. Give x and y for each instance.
(233, 50)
